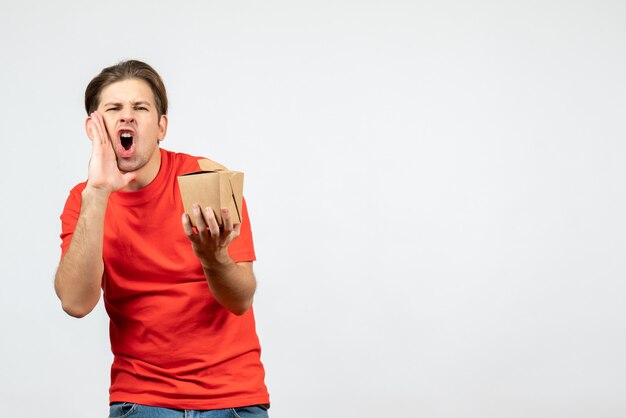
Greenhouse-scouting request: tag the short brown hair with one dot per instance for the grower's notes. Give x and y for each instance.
(122, 71)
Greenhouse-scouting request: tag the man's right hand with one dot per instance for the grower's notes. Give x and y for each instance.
(104, 174)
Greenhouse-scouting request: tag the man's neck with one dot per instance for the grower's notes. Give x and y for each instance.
(146, 174)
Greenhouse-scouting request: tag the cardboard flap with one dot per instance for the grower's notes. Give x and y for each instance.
(210, 165)
(236, 186)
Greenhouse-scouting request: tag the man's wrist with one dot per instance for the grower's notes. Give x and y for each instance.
(94, 198)
(217, 262)
(95, 194)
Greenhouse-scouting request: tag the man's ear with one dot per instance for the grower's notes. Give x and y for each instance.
(88, 127)
(162, 127)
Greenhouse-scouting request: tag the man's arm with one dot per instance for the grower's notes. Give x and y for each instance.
(232, 284)
(79, 276)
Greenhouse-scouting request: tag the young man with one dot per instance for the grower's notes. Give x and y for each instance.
(179, 298)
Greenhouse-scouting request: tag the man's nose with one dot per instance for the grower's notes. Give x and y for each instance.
(127, 115)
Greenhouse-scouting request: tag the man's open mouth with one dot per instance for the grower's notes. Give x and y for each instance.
(126, 139)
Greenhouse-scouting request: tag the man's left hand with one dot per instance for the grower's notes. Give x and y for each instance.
(209, 241)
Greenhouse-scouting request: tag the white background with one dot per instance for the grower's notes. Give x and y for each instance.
(436, 190)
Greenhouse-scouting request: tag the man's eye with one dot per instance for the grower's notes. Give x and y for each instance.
(141, 108)
(112, 108)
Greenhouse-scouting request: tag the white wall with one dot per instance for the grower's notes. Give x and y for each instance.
(436, 190)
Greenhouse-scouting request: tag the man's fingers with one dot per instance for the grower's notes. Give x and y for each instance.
(227, 221)
(102, 131)
(230, 228)
(128, 177)
(187, 224)
(197, 216)
(206, 223)
(209, 215)
(95, 126)
(96, 130)
(188, 228)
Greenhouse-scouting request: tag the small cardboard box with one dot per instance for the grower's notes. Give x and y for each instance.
(214, 186)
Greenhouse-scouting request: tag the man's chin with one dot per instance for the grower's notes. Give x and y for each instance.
(128, 165)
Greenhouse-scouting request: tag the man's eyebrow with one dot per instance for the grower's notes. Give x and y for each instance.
(138, 102)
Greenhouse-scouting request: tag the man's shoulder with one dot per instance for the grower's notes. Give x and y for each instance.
(183, 162)
(74, 199)
(78, 189)
(180, 158)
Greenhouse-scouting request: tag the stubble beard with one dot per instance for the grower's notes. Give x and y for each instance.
(128, 165)
(135, 162)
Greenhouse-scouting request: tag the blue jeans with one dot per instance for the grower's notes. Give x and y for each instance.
(133, 410)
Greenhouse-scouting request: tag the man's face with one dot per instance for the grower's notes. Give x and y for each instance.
(131, 118)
